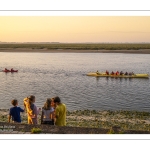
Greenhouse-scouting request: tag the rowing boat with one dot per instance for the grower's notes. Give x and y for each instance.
(118, 76)
(9, 71)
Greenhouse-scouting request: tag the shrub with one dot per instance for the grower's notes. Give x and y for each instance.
(36, 130)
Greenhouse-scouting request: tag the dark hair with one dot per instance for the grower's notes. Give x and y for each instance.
(57, 99)
(47, 104)
(14, 102)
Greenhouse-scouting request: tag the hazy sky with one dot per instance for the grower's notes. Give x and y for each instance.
(75, 29)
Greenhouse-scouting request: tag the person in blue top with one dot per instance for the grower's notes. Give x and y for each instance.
(14, 112)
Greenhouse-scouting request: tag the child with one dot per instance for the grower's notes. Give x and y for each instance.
(14, 112)
(31, 109)
(60, 112)
(47, 116)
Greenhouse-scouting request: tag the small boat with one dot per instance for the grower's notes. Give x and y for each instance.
(9, 71)
(118, 76)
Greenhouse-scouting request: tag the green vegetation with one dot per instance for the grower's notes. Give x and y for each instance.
(36, 130)
(111, 131)
(78, 46)
(123, 120)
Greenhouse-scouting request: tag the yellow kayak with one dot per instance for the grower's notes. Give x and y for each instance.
(119, 76)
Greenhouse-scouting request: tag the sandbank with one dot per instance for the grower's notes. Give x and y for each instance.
(45, 50)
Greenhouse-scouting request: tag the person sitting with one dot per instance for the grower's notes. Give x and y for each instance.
(97, 72)
(107, 73)
(130, 73)
(112, 73)
(12, 69)
(121, 73)
(6, 69)
(126, 73)
(117, 73)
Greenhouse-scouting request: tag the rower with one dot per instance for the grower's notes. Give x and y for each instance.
(121, 73)
(117, 73)
(112, 73)
(97, 72)
(107, 73)
(6, 69)
(12, 69)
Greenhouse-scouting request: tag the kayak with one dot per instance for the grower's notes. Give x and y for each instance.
(118, 76)
(10, 71)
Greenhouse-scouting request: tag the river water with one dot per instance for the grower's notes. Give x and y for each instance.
(47, 75)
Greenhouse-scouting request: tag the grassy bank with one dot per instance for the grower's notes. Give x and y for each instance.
(125, 120)
(78, 46)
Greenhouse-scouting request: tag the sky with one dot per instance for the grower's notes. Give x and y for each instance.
(75, 29)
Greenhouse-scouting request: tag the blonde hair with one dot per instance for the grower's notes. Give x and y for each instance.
(28, 104)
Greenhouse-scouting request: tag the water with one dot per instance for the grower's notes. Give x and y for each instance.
(64, 74)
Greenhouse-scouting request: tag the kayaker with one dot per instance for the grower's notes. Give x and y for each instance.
(130, 73)
(6, 69)
(117, 73)
(107, 72)
(121, 73)
(97, 72)
(112, 73)
(12, 69)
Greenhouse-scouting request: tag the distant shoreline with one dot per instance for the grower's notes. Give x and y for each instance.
(45, 50)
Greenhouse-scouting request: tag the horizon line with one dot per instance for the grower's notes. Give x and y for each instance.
(68, 42)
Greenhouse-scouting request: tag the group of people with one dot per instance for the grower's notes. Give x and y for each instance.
(53, 111)
(8, 69)
(119, 73)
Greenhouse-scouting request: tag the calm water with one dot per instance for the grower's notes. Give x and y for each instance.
(49, 74)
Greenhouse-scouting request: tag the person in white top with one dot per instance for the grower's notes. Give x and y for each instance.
(47, 116)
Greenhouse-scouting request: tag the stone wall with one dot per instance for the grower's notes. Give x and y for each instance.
(9, 128)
